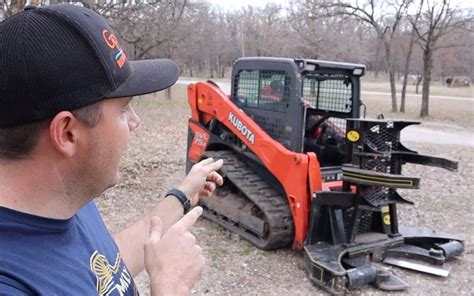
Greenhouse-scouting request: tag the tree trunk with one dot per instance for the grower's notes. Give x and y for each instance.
(393, 91)
(219, 67)
(200, 68)
(418, 80)
(404, 86)
(223, 71)
(427, 67)
(406, 71)
(211, 68)
(377, 58)
(391, 75)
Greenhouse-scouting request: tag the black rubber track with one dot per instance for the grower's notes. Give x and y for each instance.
(242, 189)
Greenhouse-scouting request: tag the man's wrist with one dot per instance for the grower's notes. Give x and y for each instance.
(181, 196)
(194, 198)
(161, 286)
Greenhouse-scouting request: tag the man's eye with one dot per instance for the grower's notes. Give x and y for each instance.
(126, 108)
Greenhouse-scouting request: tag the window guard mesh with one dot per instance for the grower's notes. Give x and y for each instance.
(328, 92)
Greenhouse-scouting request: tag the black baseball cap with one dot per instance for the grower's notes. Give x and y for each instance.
(64, 57)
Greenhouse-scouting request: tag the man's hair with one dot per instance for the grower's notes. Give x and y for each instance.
(17, 142)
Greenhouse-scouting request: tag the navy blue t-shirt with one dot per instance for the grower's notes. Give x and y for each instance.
(45, 256)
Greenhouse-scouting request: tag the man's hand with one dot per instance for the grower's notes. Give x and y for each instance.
(202, 179)
(173, 261)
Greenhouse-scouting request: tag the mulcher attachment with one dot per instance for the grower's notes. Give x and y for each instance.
(355, 225)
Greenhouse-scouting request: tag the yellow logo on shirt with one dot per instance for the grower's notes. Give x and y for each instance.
(109, 277)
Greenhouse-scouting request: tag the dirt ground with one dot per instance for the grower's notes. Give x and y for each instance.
(156, 159)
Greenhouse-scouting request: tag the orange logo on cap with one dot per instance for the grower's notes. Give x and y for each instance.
(112, 42)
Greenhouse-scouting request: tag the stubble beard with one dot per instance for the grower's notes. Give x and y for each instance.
(94, 176)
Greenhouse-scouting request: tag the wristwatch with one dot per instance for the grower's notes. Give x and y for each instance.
(181, 197)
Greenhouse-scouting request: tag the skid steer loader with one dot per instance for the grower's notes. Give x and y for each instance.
(302, 167)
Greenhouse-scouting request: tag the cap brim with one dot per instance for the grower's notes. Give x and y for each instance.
(147, 76)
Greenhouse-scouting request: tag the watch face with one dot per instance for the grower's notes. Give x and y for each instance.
(187, 206)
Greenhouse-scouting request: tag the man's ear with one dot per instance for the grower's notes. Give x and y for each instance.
(64, 131)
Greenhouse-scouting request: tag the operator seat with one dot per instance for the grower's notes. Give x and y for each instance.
(324, 138)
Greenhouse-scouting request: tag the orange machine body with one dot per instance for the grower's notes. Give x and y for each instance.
(298, 173)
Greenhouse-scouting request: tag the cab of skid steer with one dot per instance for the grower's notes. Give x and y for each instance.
(301, 103)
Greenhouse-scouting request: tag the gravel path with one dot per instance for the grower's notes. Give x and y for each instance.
(155, 162)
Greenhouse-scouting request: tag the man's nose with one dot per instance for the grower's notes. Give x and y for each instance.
(134, 120)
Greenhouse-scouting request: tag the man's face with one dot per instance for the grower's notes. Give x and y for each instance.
(107, 144)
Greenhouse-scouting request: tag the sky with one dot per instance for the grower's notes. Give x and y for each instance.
(237, 4)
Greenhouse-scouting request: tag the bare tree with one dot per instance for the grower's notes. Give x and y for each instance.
(11, 7)
(209, 40)
(148, 28)
(384, 17)
(310, 26)
(330, 37)
(406, 70)
(204, 39)
(274, 36)
(377, 60)
(437, 20)
(409, 52)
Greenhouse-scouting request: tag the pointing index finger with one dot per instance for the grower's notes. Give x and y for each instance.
(190, 218)
(155, 228)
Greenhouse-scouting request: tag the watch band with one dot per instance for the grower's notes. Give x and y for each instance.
(181, 197)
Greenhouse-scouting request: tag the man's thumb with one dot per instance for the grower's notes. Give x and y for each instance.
(155, 228)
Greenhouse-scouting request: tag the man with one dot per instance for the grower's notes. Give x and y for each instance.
(273, 92)
(65, 121)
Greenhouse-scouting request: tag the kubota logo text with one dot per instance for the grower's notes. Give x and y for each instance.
(241, 128)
